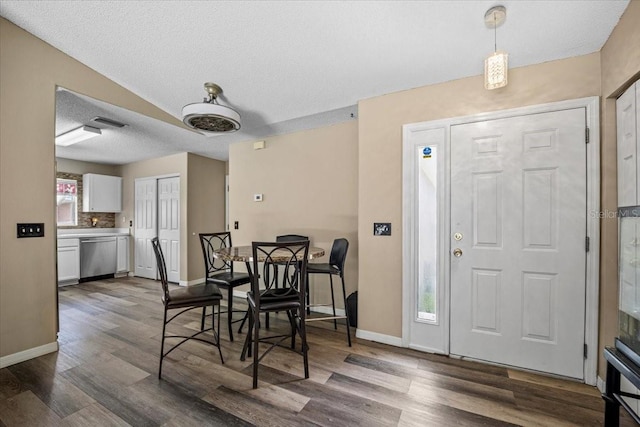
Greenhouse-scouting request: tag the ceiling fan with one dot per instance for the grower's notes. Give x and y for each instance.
(209, 116)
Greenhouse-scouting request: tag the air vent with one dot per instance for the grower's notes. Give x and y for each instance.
(108, 122)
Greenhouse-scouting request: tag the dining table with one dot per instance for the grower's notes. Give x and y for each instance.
(245, 254)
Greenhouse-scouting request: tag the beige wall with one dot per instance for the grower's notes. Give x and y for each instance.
(309, 182)
(205, 207)
(201, 202)
(30, 70)
(169, 165)
(620, 57)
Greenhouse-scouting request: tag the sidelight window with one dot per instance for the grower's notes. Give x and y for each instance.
(428, 233)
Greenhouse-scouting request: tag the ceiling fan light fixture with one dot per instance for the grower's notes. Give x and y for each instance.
(209, 116)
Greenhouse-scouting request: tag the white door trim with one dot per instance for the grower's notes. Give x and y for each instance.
(591, 105)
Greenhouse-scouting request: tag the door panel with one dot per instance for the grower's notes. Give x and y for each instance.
(169, 225)
(518, 198)
(145, 228)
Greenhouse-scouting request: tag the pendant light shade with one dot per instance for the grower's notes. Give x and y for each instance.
(495, 70)
(209, 116)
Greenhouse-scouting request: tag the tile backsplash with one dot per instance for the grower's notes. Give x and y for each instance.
(105, 219)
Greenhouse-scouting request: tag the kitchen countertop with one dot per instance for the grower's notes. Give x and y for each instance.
(75, 233)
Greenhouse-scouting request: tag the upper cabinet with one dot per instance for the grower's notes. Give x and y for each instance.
(628, 125)
(101, 193)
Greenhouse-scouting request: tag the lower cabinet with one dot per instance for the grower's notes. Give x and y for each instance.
(122, 264)
(68, 261)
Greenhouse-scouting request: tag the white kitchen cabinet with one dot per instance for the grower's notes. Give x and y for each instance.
(122, 265)
(68, 261)
(101, 193)
(628, 133)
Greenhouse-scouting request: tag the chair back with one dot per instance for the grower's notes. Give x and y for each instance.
(292, 257)
(210, 243)
(291, 238)
(162, 269)
(339, 253)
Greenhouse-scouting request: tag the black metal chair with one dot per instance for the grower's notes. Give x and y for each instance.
(186, 298)
(292, 258)
(221, 272)
(334, 267)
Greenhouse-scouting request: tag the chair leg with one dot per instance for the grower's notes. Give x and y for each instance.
(216, 336)
(164, 328)
(256, 341)
(244, 319)
(346, 309)
(333, 303)
(204, 315)
(246, 348)
(230, 311)
(308, 298)
(305, 347)
(292, 321)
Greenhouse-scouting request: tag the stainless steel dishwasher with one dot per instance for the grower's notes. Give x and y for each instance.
(97, 256)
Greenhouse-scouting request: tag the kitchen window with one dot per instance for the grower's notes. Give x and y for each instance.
(66, 202)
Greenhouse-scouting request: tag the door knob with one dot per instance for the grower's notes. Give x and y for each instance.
(457, 252)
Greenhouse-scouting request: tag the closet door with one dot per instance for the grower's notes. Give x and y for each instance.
(145, 222)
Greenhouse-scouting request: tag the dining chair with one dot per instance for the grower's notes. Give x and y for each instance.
(221, 272)
(187, 298)
(335, 266)
(292, 258)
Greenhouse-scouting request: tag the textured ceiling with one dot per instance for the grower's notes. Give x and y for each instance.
(292, 65)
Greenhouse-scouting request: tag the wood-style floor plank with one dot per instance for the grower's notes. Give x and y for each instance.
(105, 373)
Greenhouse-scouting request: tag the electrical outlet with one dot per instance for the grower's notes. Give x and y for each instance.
(235, 225)
(30, 230)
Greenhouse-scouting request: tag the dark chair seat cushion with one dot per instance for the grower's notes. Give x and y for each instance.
(322, 268)
(226, 278)
(196, 294)
(276, 299)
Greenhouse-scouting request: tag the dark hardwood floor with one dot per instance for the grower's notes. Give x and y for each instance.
(106, 374)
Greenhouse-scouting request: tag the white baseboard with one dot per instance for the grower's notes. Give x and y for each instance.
(191, 282)
(600, 384)
(21, 356)
(381, 338)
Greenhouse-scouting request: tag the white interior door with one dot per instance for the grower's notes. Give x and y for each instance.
(169, 225)
(145, 221)
(518, 202)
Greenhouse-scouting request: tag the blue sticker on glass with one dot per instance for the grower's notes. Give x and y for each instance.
(426, 151)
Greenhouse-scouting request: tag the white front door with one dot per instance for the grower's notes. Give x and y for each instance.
(169, 225)
(145, 226)
(518, 210)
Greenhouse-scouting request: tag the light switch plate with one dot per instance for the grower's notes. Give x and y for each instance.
(382, 229)
(30, 230)
(257, 197)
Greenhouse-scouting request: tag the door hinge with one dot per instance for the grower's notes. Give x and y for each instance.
(587, 244)
(585, 351)
(586, 135)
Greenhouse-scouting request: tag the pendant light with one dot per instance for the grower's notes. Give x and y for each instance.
(496, 65)
(209, 116)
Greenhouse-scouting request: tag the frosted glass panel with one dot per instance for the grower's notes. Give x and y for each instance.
(428, 233)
